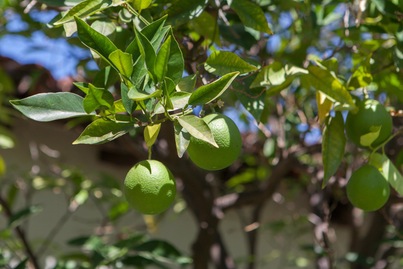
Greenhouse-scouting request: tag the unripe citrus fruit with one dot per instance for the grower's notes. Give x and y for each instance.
(149, 187)
(371, 118)
(228, 139)
(367, 188)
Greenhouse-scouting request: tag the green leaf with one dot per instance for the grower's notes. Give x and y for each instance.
(187, 84)
(18, 217)
(84, 9)
(128, 103)
(51, 106)
(197, 128)
(223, 62)
(102, 131)
(207, 93)
(179, 101)
(138, 95)
(251, 15)
(99, 43)
(139, 71)
(206, 25)
(176, 62)
(182, 139)
(388, 170)
(141, 4)
(2, 166)
(161, 62)
(253, 99)
(324, 106)
(277, 77)
(154, 32)
(183, 11)
(361, 77)
(123, 62)
(97, 98)
(147, 51)
(322, 80)
(151, 133)
(333, 145)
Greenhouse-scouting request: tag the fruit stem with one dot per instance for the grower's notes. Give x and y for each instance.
(149, 153)
(400, 131)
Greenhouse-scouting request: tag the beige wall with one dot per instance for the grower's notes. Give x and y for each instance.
(276, 250)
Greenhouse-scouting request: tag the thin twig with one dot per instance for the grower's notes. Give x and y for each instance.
(21, 235)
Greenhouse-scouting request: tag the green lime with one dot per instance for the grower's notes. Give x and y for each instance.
(150, 187)
(367, 188)
(228, 138)
(371, 125)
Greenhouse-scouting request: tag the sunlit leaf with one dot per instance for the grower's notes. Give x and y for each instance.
(388, 170)
(324, 106)
(122, 61)
(99, 43)
(208, 93)
(322, 80)
(151, 133)
(102, 131)
(97, 98)
(182, 139)
(51, 106)
(251, 15)
(198, 128)
(84, 9)
(183, 11)
(223, 62)
(161, 63)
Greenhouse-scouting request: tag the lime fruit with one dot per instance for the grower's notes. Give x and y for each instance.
(367, 188)
(371, 125)
(228, 139)
(149, 187)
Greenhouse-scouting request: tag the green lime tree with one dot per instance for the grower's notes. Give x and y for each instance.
(172, 69)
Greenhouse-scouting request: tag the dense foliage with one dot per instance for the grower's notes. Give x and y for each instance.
(289, 72)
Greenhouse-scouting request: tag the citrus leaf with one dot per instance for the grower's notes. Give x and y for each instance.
(2, 166)
(197, 128)
(182, 139)
(324, 106)
(128, 103)
(141, 4)
(176, 62)
(161, 62)
(388, 170)
(151, 133)
(333, 145)
(137, 95)
(84, 9)
(99, 43)
(208, 93)
(102, 131)
(223, 62)
(322, 80)
(251, 15)
(51, 106)
(183, 11)
(122, 61)
(97, 98)
(146, 50)
(179, 100)
(18, 217)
